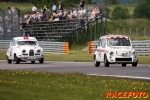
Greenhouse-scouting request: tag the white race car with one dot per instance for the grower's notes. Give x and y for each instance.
(25, 49)
(115, 49)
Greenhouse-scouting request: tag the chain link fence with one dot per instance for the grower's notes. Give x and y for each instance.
(9, 23)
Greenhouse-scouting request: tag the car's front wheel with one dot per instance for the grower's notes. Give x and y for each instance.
(96, 63)
(135, 64)
(41, 60)
(9, 61)
(106, 63)
(17, 60)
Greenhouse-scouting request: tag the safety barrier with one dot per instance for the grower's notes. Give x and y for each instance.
(142, 47)
(52, 47)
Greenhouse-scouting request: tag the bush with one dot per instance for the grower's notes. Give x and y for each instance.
(120, 13)
(142, 10)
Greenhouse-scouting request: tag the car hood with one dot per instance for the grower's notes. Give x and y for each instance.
(122, 49)
(29, 47)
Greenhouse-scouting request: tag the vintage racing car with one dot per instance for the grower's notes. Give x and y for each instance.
(24, 49)
(115, 49)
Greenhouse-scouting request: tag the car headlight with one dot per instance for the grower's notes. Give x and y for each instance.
(23, 51)
(111, 53)
(38, 51)
(134, 53)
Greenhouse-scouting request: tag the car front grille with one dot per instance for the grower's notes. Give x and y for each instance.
(123, 59)
(31, 53)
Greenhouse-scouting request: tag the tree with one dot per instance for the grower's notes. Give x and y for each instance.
(110, 2)
(120, 13)
(142, 10)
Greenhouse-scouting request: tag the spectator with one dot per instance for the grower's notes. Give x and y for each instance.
(65, 15)
(74, 14)
(44, 9)
(60, 6)
(34, 9)
(60, 15)
(70, 15)
(82, 4)
(54, 8)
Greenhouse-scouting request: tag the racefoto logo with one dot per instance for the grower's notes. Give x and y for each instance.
(129, 94)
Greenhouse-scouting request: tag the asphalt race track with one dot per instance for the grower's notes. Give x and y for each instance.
(139, 72)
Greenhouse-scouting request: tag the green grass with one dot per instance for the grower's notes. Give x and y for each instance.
(23, 85)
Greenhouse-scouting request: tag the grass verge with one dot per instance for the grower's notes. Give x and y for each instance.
(23, 85)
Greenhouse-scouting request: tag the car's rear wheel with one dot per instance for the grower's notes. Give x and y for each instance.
(124, 65)
(9, 61)
(135, 64)
(96, 63)
(106, 63)
(41, 60)
(32, 62)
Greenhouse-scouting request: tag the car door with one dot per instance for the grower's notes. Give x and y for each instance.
(98, 52)
(103, 49)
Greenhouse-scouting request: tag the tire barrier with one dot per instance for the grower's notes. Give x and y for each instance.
(142, 47)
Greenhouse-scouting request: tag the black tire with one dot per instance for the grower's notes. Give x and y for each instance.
(32, 62)
(135, 64)
(41, 60)
(9, 61)
(106, 63)
(96, 63)
(17, 60)
(124, 64)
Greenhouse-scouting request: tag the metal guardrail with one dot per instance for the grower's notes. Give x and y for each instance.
(52, 47)
(142, 47)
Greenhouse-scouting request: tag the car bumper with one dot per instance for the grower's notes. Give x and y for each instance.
(129, 59)
(31, 58)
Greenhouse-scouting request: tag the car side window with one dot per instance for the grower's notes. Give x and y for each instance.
(13, 42)
(103, 43)
(99, 43)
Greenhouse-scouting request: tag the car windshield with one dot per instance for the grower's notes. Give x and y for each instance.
(118, 42)
(27, 43)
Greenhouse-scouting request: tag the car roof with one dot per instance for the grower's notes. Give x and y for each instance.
(114, 36)
(25, 38)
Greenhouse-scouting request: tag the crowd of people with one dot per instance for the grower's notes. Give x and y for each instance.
(59, 13)
(10, 16)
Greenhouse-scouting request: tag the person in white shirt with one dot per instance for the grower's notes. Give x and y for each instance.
(74, 14)
(54, 8)
(34, 9)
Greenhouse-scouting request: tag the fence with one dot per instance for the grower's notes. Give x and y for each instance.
(9, 23)
(142, 47)
(52, 47)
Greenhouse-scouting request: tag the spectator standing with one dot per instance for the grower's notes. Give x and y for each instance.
(44, 9)
(82, 4)
(54, 8)
(60, 6)
(34, 9)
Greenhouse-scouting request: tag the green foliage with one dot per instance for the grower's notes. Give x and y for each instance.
(110, 2)
(120, 13)
(49, 3)
(142, 10)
